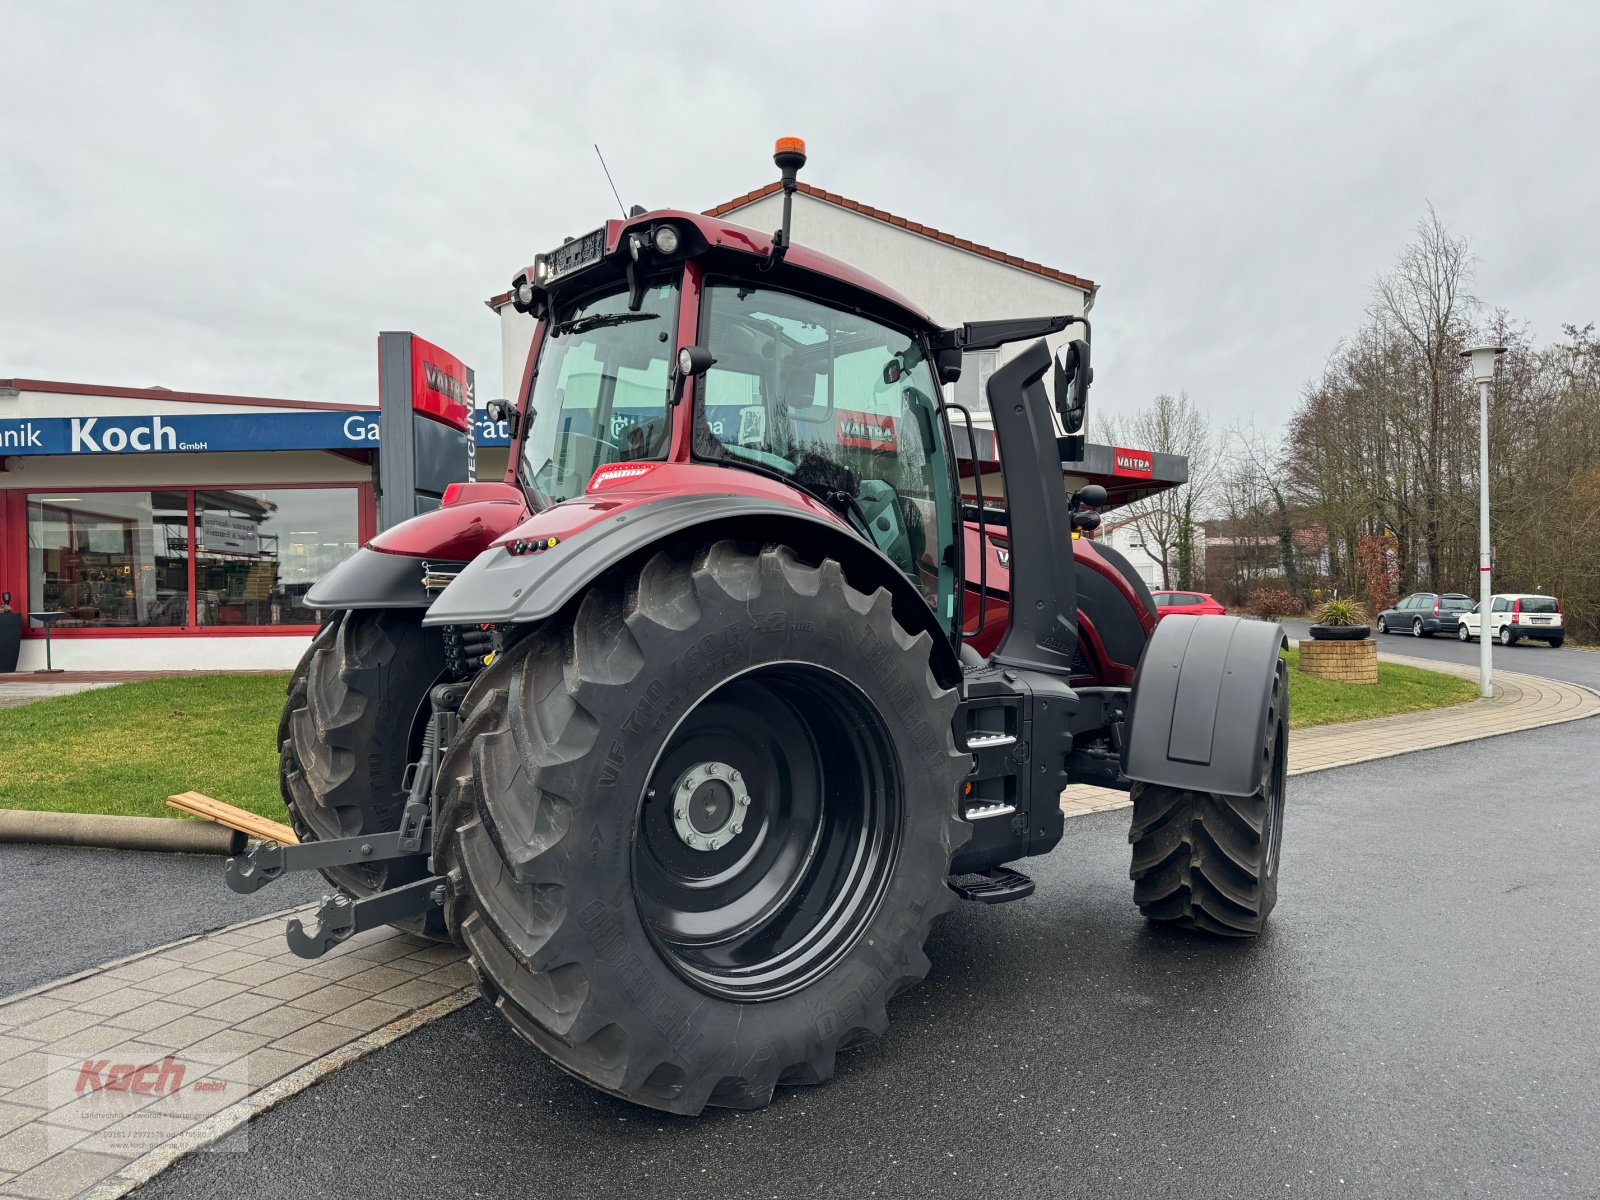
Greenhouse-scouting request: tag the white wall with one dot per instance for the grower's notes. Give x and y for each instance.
(952, 285)
(190, 653)
(516, 338)
(1127, 539)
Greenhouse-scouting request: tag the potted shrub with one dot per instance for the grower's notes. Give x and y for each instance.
(1339, 621)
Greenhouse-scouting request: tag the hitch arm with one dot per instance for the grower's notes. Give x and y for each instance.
(339, 917)
(263, 862)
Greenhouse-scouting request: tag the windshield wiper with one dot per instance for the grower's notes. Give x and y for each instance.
(601, 321)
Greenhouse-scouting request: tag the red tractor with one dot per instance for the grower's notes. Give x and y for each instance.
(688, 730)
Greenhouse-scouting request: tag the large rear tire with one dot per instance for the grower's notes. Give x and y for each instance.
(697, 827)
(354, 720)
(1210, 862)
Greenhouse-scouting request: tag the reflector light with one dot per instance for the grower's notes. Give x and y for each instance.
(613, 474)
(451, 494)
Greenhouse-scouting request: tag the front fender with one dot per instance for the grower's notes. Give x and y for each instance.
(502, 587)
(1198, 718)
(387, 571)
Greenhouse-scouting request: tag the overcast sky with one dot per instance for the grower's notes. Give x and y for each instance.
(236, 198)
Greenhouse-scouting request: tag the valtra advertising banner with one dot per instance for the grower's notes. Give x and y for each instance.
(441, 385)
(1138, 464)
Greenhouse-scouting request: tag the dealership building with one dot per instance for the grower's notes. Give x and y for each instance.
(167, 530)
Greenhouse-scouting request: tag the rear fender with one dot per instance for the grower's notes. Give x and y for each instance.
(1198, 718)
(502, 587)
(387, 571)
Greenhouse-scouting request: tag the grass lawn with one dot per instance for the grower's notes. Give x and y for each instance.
(1314, 701)
(125, 749)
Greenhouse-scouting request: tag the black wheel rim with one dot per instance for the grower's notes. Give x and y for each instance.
(786, 780)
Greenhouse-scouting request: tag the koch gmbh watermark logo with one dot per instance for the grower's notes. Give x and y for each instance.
(132, 1100)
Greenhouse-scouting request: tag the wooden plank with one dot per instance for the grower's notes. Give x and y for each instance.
(200, 805)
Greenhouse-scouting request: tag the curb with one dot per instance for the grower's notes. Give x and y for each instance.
(167, 834)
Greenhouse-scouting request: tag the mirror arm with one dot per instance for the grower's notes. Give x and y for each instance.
(989, 335)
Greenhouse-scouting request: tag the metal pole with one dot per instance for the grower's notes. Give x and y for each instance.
(1485, 641)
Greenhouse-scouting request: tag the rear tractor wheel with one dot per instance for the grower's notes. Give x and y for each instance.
(354, 720)
(697, 827)
(1210, 862)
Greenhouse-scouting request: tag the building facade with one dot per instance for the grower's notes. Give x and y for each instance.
(161, 530)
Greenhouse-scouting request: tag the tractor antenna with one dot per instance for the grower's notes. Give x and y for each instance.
(609, 180)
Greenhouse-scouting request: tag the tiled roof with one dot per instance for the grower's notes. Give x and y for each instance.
(927, 231)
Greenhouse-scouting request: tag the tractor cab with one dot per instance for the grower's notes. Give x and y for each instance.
(838, 403)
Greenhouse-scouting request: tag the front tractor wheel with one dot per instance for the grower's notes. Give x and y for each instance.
(696, 829)
(1210, 862)
(354, 720)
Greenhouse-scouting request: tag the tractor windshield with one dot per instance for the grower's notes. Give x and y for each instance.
(600, 391)
(844, 407)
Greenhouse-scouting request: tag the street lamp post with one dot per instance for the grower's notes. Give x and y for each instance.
(1483, 359)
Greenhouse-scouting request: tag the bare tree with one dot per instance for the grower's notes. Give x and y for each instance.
(1169, 521)
(1424, 303)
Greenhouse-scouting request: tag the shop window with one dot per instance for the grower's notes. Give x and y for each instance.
(258, 552)
(110, 559)
(122, 559)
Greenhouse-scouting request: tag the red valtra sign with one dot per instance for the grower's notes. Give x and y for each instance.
(1140, 464)
(869, 431)
(439, 385)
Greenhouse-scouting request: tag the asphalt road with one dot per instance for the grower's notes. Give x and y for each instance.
(1531, 658)
(64, 910)
(1422, 1019)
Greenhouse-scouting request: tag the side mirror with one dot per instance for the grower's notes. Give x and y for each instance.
(1073, 376)
(1089, 496)
(501, 412)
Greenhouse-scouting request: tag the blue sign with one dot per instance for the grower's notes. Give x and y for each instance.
(491, 433)
(305, 430)
(300, 430)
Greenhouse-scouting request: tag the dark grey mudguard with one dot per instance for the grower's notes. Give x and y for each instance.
(372, 579)
(1199, 715)
(502, 587)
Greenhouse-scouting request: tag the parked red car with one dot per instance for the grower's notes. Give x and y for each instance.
(1194, 604)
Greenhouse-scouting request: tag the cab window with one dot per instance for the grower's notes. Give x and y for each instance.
(843, 407)
(600, 392)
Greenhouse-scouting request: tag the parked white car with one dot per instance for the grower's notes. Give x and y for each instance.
(1516, 615)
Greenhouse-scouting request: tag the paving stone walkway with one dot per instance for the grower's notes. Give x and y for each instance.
(1520, 702)
(108, 1077)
